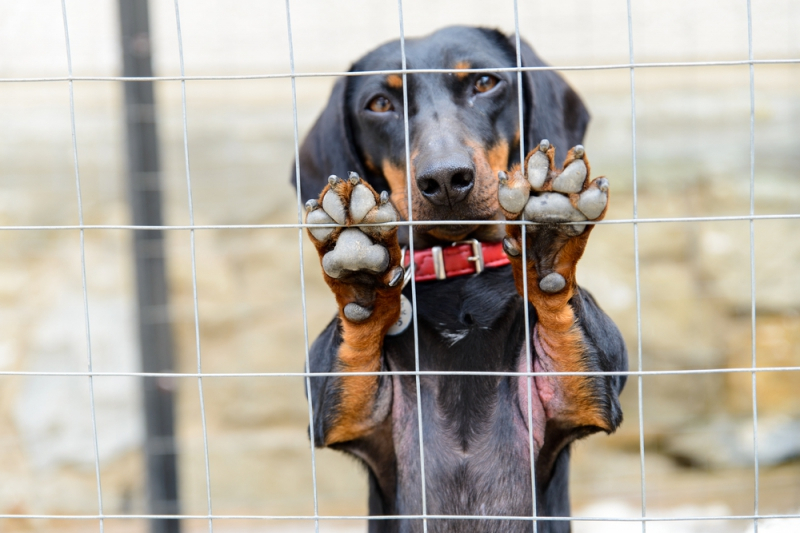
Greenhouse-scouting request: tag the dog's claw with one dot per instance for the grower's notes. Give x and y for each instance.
(397, 275)
(510, 247)
(502, 176)
(356, 313)
(544, 146)
(332, 179)
(311, 205)
(354, 178)
(579, 151)
(553, 282)
(384, 197)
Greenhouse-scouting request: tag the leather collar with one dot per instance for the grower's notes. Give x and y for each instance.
(458, 259)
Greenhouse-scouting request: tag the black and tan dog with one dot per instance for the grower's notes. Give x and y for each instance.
(464, 133)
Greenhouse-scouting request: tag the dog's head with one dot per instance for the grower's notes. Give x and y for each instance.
(463, 127)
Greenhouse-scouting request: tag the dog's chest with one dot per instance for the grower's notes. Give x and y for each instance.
(476, 460)
(475, 444)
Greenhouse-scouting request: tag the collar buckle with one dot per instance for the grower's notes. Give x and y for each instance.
(477, 254)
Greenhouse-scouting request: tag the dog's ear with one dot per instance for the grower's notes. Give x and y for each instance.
(553, 110)
(328, 148)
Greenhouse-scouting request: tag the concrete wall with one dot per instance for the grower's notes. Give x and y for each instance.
(693, 160)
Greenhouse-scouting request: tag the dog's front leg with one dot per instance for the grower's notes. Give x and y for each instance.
(361, 265)
(571, 333)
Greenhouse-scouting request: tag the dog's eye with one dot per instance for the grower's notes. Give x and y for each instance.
(380, 104)
(485, 83)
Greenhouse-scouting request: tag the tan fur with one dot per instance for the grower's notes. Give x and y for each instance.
(395, 81)
(362, 343)
(498, 156)
(396, 176)
(370, 164)
(360, 351)
(462, 65)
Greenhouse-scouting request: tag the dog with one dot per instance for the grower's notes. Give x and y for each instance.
(470, 285)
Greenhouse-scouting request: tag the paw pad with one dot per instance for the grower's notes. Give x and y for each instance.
(356, 313)
(514, 196)
(594, 199)
(354, 251)
(571, 180)
(361, 202)
(554, 207)
(553, 282)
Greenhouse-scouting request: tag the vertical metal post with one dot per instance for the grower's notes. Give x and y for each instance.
(155, 336)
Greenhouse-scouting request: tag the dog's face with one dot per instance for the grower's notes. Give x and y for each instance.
(463, 127)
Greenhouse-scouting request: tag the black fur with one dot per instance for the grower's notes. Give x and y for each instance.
(475, 438)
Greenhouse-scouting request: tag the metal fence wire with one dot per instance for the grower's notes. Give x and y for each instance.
(199, 375)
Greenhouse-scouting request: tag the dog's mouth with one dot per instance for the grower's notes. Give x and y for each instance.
(451, 232)
(470, 219)
(462, 232)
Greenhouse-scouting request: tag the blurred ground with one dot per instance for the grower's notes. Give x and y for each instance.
(693, 159)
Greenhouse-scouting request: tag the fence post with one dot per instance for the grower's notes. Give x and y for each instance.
(155, 336)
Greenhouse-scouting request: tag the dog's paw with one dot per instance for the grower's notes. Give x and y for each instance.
(356, 242)
(547, 195)
(558, 200)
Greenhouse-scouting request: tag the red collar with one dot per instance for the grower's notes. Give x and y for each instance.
(458, 259)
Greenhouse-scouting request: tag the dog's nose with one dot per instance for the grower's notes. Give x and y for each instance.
(447, 182)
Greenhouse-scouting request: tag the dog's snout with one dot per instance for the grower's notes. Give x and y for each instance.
(446, 183)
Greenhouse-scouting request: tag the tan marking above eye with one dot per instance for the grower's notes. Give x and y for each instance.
(462, 65)
(394, 81)
(485, 83)
(380, 104)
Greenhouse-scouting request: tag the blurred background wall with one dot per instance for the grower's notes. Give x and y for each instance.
(693, 159)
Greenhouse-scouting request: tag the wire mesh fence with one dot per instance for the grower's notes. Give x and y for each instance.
(201, 375)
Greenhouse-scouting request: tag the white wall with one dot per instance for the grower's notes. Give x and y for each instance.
(249, 36)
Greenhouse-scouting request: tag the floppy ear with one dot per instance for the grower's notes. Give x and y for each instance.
(328, 148)
(553, 110)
